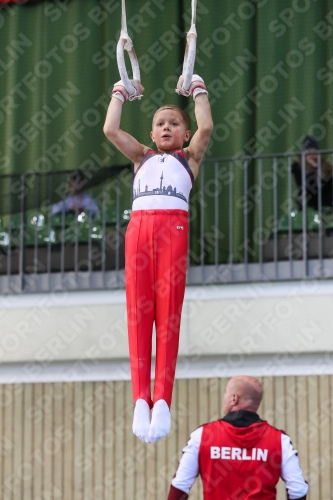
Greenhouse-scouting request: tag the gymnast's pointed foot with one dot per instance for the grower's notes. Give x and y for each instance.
(141, 420)
(160, 421)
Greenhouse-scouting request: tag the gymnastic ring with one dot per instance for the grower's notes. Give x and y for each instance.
(125, 43)
(189, 58)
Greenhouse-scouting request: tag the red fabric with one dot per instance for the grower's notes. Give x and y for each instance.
(250, 477)
(155, 270)
(176, 494)
(120, 92)
(15, 1)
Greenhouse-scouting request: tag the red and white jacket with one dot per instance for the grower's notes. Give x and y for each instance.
(239, 457)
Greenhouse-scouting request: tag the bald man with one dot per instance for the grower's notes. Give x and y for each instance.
(239, 457)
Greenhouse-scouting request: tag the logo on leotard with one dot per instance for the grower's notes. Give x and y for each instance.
(180, 227)
(161, 190)
(162, 159)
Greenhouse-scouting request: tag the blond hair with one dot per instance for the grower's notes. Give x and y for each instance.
(184, 117)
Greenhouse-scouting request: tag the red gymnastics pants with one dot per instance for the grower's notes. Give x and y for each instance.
(155, 271)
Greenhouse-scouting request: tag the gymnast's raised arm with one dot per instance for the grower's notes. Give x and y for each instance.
(200, 139)
(199, 143)
(123, 141)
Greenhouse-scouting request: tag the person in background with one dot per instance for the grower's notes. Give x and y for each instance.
(241, 456)
(312, 182)
(77, 200)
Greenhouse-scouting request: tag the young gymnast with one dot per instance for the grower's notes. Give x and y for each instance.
(156, 244)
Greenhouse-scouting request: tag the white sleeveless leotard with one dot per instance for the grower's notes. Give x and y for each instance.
(162, 181)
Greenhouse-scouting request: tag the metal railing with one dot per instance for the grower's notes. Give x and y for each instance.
(253, 218)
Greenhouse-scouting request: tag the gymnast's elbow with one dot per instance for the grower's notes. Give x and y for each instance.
(210, 126)
(110, 132)
(206, 128)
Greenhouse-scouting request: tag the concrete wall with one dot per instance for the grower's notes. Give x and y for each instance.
(283, 328)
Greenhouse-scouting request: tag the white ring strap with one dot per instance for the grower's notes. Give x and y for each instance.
(125, 43)
(190, 50)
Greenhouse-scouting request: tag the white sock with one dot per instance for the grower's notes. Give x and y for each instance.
(160, 421)
(141, 420)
